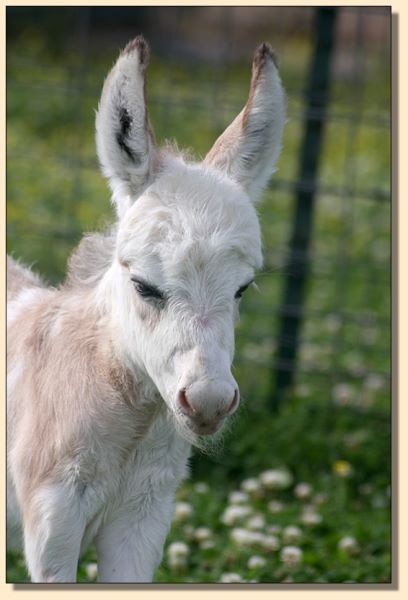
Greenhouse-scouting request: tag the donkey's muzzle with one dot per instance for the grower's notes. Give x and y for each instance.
(206, 404)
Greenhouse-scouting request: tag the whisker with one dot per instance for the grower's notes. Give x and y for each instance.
(272, 269)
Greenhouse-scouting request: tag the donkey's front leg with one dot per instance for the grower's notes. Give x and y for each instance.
(54, 525)
(130, 545)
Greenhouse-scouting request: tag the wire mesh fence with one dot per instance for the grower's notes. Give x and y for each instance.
(56, 61)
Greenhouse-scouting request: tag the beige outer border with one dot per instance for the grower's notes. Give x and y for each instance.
(360, 592)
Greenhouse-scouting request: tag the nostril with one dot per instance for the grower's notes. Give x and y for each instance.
(184, 403)
(234, 402)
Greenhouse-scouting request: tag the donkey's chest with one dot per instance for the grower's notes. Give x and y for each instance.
(153, 469)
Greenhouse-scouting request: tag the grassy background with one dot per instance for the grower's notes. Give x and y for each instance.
(338, 411)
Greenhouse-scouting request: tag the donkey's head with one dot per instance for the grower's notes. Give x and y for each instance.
(188, 240)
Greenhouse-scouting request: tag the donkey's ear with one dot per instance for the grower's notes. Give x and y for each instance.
(249, 148)
(124, 137)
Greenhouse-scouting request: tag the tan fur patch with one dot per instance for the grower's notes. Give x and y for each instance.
(73, 389)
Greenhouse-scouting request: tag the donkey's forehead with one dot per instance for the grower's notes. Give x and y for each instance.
(190, 208)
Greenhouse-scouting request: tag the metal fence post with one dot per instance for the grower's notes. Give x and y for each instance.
(298, 260)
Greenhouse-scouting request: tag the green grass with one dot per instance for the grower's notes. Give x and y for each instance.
(339, 407)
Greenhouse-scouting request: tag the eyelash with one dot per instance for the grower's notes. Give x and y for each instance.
(242, 290)
(147, 291)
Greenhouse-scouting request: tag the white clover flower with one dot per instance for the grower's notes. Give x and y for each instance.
(202, 533)
(91, 570)
(255, 562)
(177, 555)
(235, 513)
(291, 555)
(251, 485)
(374, 381)
(303, 490)
(244, 537)
(342, 394)
(230, 578)
(270, 542)
(201, 487)
(182, 510)
(238, 497)
(276, 479)
(275, 506)
(257, 538)
(310, 517)
(241, 536)
(257, 521)
(291, 534)
(348, 544)
(177, 549)
(207, 544)
(177, 562)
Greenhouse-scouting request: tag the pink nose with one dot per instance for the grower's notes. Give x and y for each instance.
(206, 410)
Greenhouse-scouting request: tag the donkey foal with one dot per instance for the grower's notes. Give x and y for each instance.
(114, 375)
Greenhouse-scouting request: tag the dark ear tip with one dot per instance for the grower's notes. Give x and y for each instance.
(263, 52)
(140, 45)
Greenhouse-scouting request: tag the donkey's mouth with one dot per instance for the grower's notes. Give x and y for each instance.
(207, 428)
(204, 427)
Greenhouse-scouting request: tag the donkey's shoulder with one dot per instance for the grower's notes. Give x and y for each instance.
(91, 259)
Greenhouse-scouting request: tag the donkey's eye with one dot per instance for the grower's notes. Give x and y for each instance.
(242, 289)
(146, 290)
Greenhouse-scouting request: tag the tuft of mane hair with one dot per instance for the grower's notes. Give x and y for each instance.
(20, 277)
(91, 259)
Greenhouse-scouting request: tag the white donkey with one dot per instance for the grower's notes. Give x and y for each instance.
(112, 376)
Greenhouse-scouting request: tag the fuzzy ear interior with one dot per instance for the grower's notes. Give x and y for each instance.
(124, 137)
(249, 148)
